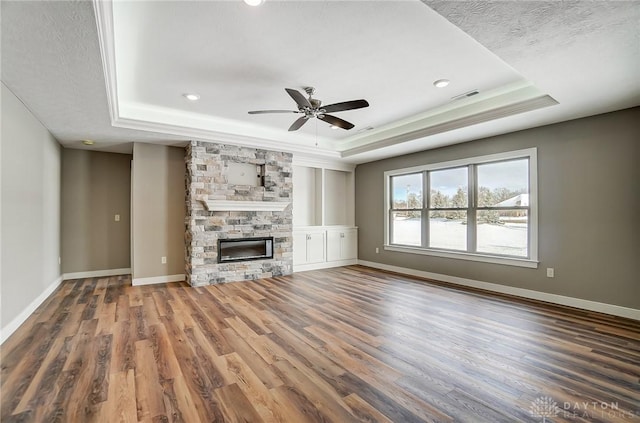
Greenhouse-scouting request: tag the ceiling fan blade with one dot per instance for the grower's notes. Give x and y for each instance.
(336, 121)
(345, 105)
(297, 96)
(259, 112)
(298, 123)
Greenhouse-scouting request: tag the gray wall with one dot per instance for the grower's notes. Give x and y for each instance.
(95, 187)
(589, 209)
(30, 212)
(158, 212)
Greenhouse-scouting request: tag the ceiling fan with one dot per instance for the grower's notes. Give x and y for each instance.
(312, 108)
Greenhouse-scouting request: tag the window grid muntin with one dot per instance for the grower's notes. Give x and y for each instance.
(471, 209)
(392, 209)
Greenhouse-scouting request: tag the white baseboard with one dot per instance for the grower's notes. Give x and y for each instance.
(157, 279)
(96, 273)
(630, 313)
(14, 324)
(323, 265)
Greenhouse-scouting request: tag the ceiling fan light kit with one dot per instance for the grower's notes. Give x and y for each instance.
(313, 108)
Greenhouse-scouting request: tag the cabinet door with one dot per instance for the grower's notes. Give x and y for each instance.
(334, 241)
(349, 244)
(299, 247)
(342, 244)
(315, 247)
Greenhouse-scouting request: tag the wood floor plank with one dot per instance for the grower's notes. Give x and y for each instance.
(123, 358)
(43, 382)
(251, 385)
(207, 359)
(16, 382)
(197, 382)
(82, 405)
(164, 356)
(298, 407)
(106, 318)
(311, 355)
(363, 411)
(316, 391)
(257, 364)
(121, 404)
(356, 360)
(190, 410)
(149, 399)
(19, 347)
(122, 308)
(102, 349)
(161, 300)
(236, 408)
(350, 344)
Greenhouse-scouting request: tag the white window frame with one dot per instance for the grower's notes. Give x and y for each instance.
(530, 262)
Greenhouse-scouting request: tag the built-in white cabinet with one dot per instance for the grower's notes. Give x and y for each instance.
(324, 232)
(309, 247)
(342, 244)
(322, 247)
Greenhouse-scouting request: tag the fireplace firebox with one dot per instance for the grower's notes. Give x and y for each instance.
(244, 249)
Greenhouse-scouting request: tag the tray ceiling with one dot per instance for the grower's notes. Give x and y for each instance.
(116, 72)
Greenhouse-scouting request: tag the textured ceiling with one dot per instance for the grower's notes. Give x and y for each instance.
(51, 61)
(526, 29)
(562, 46)
(585, 54)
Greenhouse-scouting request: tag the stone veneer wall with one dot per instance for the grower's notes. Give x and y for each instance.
(207, 170)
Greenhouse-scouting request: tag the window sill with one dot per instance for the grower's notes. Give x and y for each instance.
(508, 261)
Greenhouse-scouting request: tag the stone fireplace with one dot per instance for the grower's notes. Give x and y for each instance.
(222, 206)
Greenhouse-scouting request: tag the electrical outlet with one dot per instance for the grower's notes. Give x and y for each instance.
(377, 250)
(117, 218)
(163, 260)
(550, 272)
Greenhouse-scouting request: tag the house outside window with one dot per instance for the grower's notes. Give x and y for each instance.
(480, 208)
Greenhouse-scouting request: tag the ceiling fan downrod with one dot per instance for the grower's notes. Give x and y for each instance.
(315, 103)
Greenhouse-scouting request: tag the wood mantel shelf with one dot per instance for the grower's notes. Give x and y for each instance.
(229, 205)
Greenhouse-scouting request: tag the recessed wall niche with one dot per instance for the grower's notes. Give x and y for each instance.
(245, 174)
(323, 197)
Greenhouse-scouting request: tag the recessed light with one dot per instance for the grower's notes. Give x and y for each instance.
(334, 127)
(441, 83)
(254, 2)
(191, 97)
(88, 142)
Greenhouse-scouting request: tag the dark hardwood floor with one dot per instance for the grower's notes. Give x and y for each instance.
(339, 345)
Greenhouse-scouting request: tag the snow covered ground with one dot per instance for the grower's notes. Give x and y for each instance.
(507, 239)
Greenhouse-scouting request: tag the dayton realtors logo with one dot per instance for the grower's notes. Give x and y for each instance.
(543, 407)
(546, 408)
